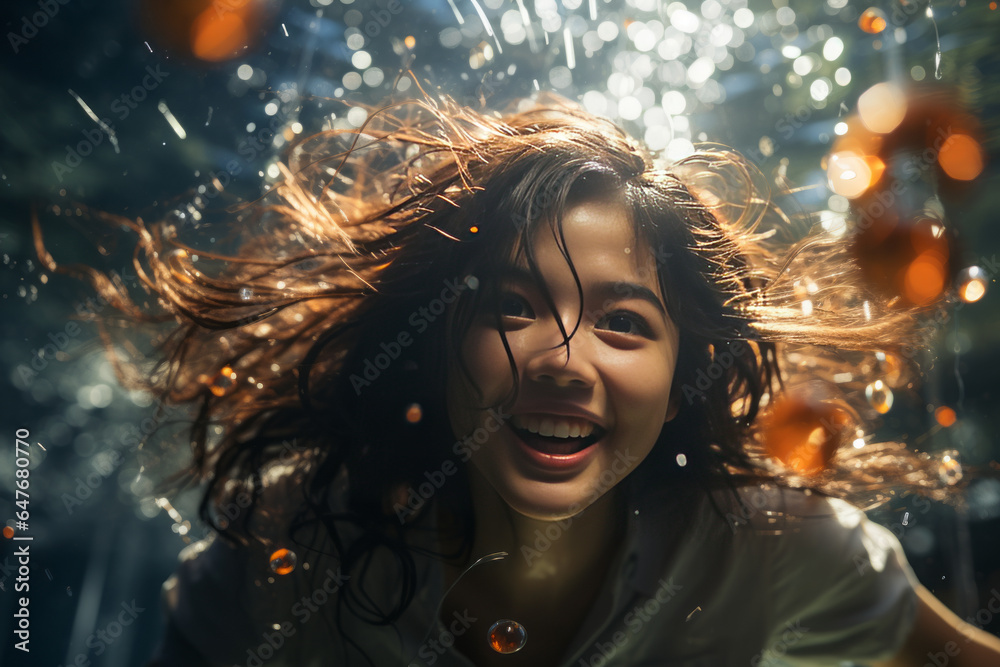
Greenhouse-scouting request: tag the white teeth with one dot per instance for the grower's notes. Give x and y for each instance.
(559, 427)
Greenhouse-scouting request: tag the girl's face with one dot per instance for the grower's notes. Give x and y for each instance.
(586, 417)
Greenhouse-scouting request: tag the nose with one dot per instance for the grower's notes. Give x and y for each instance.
(561, 363)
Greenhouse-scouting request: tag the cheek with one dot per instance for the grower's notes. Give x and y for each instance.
(646, 377)
(488, 380)
(487, 363)
(642, 388)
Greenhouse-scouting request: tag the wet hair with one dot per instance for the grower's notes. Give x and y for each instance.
(326, 325)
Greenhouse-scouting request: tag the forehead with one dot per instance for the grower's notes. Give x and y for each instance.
(599, 239)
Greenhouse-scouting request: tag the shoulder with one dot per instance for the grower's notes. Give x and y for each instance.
(802, 529)
(841, 580)
(226, 598)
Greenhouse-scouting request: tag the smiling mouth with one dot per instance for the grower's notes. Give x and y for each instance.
(568, 442)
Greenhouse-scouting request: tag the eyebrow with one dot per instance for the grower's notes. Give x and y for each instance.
(614, 290)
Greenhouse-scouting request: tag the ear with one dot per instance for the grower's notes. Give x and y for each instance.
(673, 406)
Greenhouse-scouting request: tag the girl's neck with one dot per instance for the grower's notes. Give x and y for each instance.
(548, 583)
(549, 555)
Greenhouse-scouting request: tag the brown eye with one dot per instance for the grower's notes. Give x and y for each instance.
(626, 323)
(514, 305)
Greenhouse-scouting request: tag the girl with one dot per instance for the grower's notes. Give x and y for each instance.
(486, 389)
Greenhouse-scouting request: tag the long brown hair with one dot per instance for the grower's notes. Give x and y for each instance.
(299, 333)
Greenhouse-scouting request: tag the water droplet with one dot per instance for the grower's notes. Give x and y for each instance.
(945, 416)
(69, 591)
(414, 413)
(8, 532)
(223, 381)
(892, 368)
(872, 21)
(507, 636)
(971, 284)
(472, 282)
(283, 561)
(879, 396)
(950, 470)
(246, 293)
(803, 433)
(682, 460)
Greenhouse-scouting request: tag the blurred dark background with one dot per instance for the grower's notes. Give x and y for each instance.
(133, 108)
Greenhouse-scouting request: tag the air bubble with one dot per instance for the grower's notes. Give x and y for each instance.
(507, 636)
(950, 470)
(414, 413)
(283, 561)
(222, 382)
(872, 21)
(879, 396)
(971, 284)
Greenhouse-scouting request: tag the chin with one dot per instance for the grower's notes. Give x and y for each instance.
(542, 501)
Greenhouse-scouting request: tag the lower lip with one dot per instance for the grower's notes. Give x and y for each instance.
(554, 462)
